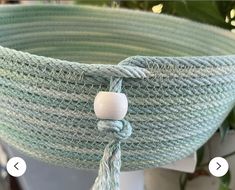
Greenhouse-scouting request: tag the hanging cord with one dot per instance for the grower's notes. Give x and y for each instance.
(110, 164)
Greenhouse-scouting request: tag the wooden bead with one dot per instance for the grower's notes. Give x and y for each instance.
(110, 105)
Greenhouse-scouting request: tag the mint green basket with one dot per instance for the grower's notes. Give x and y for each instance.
(178, 75)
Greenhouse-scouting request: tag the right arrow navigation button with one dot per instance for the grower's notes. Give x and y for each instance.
(218, 166)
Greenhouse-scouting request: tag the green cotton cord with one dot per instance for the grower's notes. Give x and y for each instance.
(110, 164)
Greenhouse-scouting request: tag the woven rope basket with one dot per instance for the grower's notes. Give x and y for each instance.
(178, 75)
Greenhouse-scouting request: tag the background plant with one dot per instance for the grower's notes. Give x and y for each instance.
(218, 13)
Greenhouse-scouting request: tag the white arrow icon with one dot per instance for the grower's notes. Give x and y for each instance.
(218, 166)
(16, 166)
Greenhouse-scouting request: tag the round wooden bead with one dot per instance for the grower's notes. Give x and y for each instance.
(110, 105)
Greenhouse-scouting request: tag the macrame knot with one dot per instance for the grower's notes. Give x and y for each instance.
(111, 108)
(120, 129)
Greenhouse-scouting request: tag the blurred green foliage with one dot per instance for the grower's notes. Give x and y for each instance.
(210, 12)
(225, 181)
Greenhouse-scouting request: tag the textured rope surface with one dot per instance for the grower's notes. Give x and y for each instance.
(175, 103)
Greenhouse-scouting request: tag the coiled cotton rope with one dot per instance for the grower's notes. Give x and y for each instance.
(178, 75)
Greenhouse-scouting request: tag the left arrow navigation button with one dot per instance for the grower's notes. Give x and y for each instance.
(16, 166)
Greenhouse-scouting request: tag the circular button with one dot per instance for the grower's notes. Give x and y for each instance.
(218, 166)
(16, 166)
